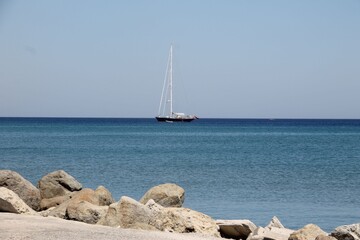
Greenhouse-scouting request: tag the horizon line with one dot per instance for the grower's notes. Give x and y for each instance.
(225, 118)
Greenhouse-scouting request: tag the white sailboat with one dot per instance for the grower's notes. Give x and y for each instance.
(166, 113)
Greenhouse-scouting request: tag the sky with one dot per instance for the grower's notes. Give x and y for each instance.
(232, 58)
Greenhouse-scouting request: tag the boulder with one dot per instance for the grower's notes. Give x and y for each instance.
(118, 212)
(104, 195)
(59, 211)
(275, 222)
(347, 232)
(11, 202)
(167, 195)
(128, 213)
(273, 233)
(22, 187)
(111, 218)
(84, 211)
(184, 220)
(55, 201)
(136, 215)
(83, 206)
(58, 183)
(87, 195)
(308, 232)
(236, 229)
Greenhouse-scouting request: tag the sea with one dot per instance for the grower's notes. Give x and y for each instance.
(300, 170)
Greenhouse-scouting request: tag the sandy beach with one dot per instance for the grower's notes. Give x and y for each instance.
(16, 226)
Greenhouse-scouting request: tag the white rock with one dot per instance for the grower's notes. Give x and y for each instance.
(347, 232)
(237, 229)
(11, 202)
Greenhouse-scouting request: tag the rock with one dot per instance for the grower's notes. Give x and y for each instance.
(55, 201)
(167, 195)
(87, 195)
(347, 232)
(136, 215)
(184, 220)
(59, 211)
(324, 237)
(83, 206)
(274, 222)
(45, 213)
(104, 195)
(6, 206)
(58, 183)
(128, 213)
(273, 233)
(22, 187)
(236, 229)
(11, 202)
(111, 218)
(308, 232)
(85, 212)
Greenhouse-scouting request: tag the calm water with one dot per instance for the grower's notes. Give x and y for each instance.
(303, 171)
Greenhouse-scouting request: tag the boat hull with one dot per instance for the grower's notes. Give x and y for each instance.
(170, 119)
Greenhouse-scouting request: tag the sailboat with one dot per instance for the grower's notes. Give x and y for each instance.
(166, 113)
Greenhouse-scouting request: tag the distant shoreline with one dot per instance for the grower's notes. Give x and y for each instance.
(206, 118)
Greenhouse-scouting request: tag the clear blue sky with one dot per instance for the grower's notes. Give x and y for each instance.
(238, 59)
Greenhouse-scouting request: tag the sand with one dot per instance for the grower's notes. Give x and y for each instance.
(16, 226)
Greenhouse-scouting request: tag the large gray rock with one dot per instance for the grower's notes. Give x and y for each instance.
(11, 202)
(308, 232)
(167, 195)
(128, 213)
(236, 229)
(22, 187)
(58, 183)
(347, 232)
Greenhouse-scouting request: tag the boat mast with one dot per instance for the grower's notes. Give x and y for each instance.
(165, 95)
(170, 82)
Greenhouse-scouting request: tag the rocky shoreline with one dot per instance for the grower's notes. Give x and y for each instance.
(59, 195)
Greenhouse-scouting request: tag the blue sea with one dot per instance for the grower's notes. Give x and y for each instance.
(302, 171)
